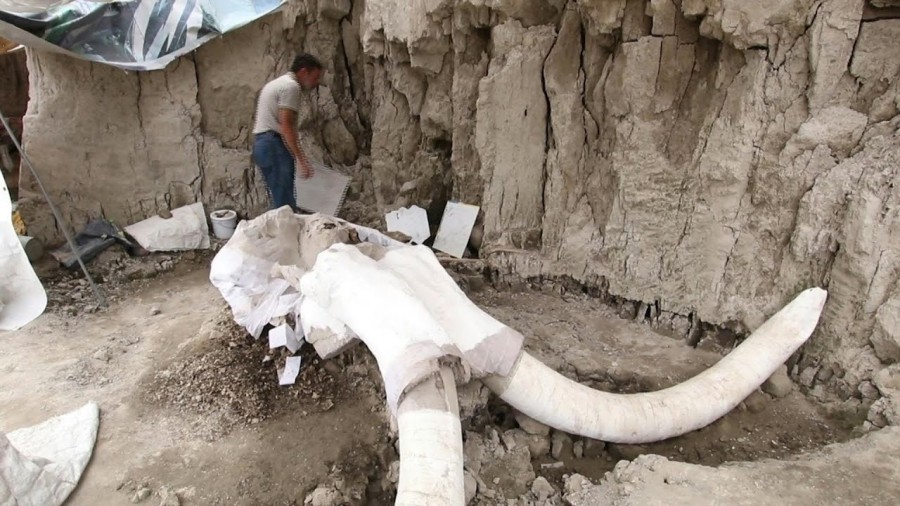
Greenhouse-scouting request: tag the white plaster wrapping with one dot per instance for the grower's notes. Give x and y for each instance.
(489, 346)
(383, 311)
(431, 463)
(549, 397)
(327, 335)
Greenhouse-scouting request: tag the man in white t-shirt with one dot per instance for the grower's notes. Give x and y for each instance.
(276, 149)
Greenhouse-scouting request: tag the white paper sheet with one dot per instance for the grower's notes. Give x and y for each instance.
(324, 192)
(288, 374)
(412, 221)
(456, 227)
(22, 297)
(283, 335)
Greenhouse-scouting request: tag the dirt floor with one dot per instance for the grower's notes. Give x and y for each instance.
(190, 404)
(163, 423)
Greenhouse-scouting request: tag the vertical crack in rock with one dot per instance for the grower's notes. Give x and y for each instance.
(197, 183)
(548, 133)
(140, 113)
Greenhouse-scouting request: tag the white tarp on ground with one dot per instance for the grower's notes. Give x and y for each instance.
(185, 230)
(22, 297)
(41, 465)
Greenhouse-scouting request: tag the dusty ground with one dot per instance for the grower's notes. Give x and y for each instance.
(273, 447)
(190, 404)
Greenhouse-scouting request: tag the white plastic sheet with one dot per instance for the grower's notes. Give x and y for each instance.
(130, 34)
(42, 464)
(22, 297)
(259, 267)
(246, 270)
(185, 230)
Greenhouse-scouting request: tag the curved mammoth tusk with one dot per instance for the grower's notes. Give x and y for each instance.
(554, 400)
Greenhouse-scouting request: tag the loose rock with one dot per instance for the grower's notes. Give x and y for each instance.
(168, 497)
(578, 449)
(542, 488)
(471, 485)
(886, 334)
(102, 355)
(394, 472)
(576, 483)
(141, 495)
(593, 448)
(562, 446)
(531, 426)
(538, 446)
(510, 474)
(757, 402)
(324, 496)
(868, 390)
(877, 415)
(779, 384)
(808, 376)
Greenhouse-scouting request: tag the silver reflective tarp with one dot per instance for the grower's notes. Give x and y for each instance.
(133, 35)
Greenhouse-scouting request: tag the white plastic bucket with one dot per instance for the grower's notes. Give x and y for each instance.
(224, 222)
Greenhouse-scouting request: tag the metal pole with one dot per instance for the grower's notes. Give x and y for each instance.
(101, 299)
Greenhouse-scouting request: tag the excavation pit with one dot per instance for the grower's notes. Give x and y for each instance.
(581, 336)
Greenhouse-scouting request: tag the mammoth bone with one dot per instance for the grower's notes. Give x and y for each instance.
(403, 305)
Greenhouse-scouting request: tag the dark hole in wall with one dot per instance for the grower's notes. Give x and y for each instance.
(442, 184)
(13, 104)
(435, 211)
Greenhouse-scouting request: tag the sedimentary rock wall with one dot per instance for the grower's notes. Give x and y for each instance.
(704, 159)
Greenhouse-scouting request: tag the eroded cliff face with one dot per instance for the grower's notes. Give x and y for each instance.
(704, 159)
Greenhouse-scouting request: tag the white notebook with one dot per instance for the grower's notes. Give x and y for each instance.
(324, 192)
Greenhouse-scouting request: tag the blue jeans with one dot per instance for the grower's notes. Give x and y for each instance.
(277, 167)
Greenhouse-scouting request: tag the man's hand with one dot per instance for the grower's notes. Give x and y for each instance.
(306, 168)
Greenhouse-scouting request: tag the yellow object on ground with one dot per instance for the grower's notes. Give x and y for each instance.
(18, 223)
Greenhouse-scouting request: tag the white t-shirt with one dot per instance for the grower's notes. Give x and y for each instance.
(280, 93)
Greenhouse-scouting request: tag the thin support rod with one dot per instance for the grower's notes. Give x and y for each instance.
(101, 299)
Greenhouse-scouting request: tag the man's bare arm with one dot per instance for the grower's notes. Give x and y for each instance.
(287, 122)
